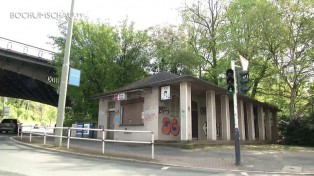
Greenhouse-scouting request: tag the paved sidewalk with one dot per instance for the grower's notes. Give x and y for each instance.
(218, 158)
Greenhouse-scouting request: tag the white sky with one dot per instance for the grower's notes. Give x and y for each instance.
(144, 13)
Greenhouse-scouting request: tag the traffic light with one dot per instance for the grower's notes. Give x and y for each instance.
(243, 78)
(230, 81)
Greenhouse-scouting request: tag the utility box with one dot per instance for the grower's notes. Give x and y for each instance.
(79, 133)
(85, 133)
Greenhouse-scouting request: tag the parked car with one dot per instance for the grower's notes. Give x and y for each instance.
(9, 125)
(36, 126)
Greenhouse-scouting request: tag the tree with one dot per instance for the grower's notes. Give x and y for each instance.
(277, 38)
(171, 52)
(132, 60)
(243, 30)
(108, 58)
(202, 21)
(94, 48)
(295, 61)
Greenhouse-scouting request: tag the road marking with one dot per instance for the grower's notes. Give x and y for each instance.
(244, 173)
(249, 166)
(164, 168)
(294, 169)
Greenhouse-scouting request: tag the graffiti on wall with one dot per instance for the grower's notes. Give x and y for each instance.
(205, 128)
(117, 118)
(203, 110)
(149, 116)
(168, 126)
(175, 128)
(163, 109)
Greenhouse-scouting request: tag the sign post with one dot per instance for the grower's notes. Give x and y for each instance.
(64, 79)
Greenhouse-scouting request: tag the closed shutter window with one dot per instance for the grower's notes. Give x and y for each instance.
(132, 112)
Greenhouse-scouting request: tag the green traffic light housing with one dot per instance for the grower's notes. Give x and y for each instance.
(230, 81)
(243, 78)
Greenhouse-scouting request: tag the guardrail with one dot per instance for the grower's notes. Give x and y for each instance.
(26, 49)
(103, 140)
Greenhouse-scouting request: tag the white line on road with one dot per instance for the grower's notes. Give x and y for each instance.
(244, 173)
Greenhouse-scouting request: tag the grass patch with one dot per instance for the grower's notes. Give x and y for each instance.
(275, 147)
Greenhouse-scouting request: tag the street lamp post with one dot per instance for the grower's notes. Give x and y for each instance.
(64, 79)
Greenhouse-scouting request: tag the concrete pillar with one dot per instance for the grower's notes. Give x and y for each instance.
(102, 115)
(241, 120)
(268, 124)
(151, 109)
(250, 121)
(261, 124)
(225, 117)
(185, 111)
(211, 115)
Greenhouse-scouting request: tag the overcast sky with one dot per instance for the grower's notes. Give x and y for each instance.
(34, 30)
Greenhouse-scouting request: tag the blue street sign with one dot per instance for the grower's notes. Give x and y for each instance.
(74, 77)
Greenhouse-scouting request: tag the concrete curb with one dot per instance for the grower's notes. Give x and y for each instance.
(152, 162)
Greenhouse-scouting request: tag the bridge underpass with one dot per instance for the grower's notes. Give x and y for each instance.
(20, 86)
(24, 75)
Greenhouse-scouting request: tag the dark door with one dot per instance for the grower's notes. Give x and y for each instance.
(194, 124)
(110, 124)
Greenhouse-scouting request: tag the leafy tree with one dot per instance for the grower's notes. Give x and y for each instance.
(243, 30)
(94, 48)
(295, 61)
(29, 112)
(171, 52)
(132, 61)
(107, 56)
(202, 20)
(277, 38)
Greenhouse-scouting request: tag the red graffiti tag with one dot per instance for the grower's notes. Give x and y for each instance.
(168, 126)
(175, 128)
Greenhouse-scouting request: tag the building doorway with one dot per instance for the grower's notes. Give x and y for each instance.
(194, 120)
(110, 124)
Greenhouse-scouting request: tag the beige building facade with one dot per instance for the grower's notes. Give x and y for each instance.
(183, 108)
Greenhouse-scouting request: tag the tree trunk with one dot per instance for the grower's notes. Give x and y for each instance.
(292, 102)
(214, 54)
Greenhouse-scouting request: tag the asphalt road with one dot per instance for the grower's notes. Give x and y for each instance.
(21, 160)
(292, 161)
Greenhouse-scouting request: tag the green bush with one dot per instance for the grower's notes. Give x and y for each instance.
(297, 131)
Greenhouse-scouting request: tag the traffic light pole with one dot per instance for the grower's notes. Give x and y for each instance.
(236, 126)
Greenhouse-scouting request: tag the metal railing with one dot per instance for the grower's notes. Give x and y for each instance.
(103, 139)
(26, 49)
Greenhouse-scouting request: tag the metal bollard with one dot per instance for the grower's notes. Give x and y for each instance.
(103, 140)
(69, 135)
(30, 135)
(153, 148)
(45, 136)
(18, 130)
